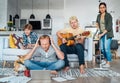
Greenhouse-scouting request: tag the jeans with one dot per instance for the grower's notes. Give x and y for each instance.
(105, 47)
(37, 65)
(75, 49)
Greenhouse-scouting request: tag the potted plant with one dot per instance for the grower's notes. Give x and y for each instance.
(10, 25)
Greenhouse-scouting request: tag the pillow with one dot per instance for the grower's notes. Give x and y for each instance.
(15, 41)
(11, 41)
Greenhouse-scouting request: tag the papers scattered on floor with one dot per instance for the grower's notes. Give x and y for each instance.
(63, 78)
(68, 77)
(15, 79)
(6, 79)
(59, 79)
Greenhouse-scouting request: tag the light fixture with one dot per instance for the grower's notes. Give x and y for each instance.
(16, 16)
(32, 16)
(99, 0)
(48, 15)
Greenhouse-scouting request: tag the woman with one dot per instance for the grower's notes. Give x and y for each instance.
(104, 23)
(29, 37)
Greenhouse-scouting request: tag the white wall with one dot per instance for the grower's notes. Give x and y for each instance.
(3, 13)
(115, 7)
(85, 10)
(57, 17)
(41, 13)
(12, 8)
(7, 7)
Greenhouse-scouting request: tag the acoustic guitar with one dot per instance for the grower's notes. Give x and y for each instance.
(70, 38)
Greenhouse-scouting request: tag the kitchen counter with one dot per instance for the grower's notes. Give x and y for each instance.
(7, 33)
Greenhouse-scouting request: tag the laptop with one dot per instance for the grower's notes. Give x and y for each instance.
(40, 74)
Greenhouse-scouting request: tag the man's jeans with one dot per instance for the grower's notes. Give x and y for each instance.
(75, 49)
(105, 47)
(37, 65)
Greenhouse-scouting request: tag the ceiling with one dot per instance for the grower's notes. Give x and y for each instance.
(39, 4)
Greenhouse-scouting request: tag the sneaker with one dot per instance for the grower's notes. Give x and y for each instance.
(103, 62)
(106, 66)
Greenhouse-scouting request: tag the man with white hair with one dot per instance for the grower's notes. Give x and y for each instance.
(78, 47)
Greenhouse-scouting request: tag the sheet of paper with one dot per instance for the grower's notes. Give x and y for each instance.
(59, 79)
(15, 79)
(68, 77)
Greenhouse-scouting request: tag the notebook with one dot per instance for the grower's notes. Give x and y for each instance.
(40, 74)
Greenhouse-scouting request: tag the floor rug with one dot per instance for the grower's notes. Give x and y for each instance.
(72, 72)
(89, 73)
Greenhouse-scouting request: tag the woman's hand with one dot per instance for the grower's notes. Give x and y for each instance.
(100, 35)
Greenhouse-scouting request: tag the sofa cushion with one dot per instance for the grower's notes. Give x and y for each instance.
(72, 57)
(11, 42)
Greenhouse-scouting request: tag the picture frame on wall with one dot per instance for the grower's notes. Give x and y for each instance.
(47, 24)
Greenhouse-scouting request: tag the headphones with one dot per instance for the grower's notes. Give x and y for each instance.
(44, 37)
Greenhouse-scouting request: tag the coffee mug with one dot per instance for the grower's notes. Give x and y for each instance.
(27, 73)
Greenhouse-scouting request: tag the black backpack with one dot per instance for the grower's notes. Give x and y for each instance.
(114, 45)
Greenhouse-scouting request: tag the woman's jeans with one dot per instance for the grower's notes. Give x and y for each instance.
(37, 65)
(105, 47)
